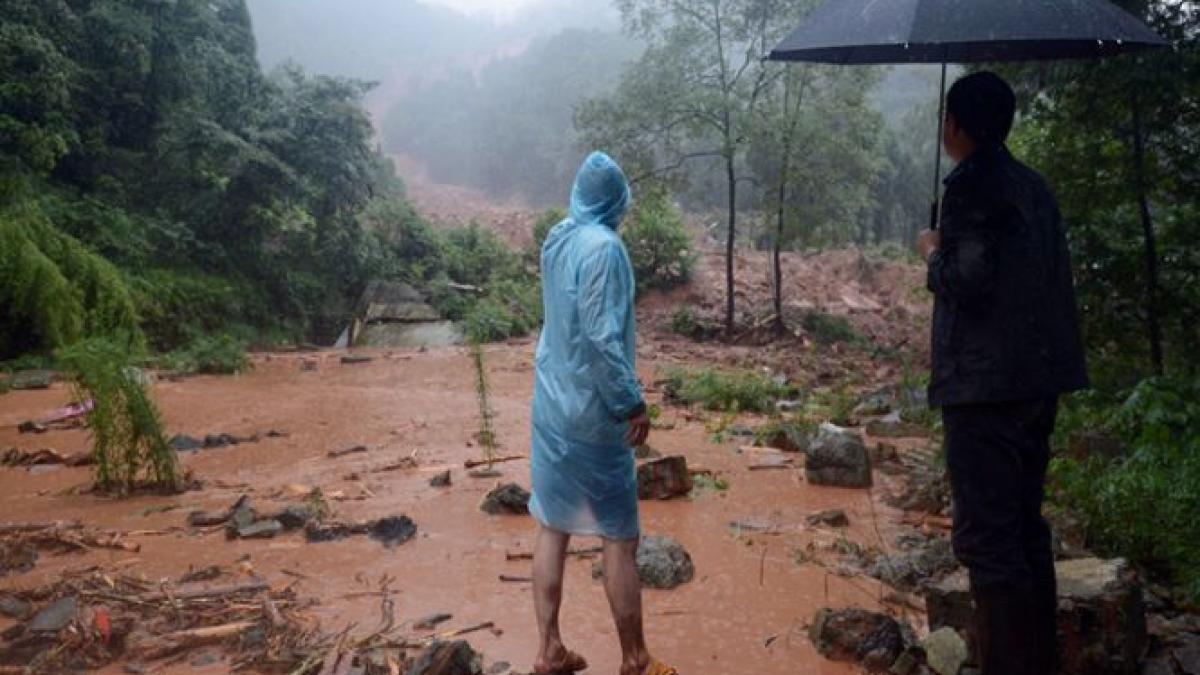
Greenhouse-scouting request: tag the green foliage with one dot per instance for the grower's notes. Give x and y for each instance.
(56, 290)
(487, 428)
(222, 354)
(542, 227)
(1142, 506)
(128, 442)
(744, 391)
(829, 329)
(658, 243)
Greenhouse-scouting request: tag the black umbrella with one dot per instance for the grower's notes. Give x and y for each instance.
(963, 31)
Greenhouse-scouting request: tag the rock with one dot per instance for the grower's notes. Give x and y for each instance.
(308, 366)
(926, 490)
(220, 440)
(838, 458)
(393, 530)
(786, 407)
(55, 617)
(507, 498)
(499, 668)
(207, 518)
(31, 379)
(351, 359)
(295, 517)
(15, 608)
(912, 569)
(441, 480)
(665, 478)
(1101, 619)
(855, 635)
(883, 452)
(894, 427)
(829, 518)
(880, 402)
(739, 431)
(662, 563)
(185, 443)
(448, 658)
(945, 651)
(241, 515)
(31, 427)
(262, 529)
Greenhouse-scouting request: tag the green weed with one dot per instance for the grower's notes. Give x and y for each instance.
(745, 391)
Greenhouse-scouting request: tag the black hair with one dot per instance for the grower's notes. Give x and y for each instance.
(983, 105)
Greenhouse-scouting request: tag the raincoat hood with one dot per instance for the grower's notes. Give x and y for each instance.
(601, 193)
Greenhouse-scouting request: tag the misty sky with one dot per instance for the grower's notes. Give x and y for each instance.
(496, 8)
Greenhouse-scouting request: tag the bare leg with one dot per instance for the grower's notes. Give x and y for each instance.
(549, 557)
(624, 591)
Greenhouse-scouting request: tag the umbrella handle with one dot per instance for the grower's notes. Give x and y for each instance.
(935, 211)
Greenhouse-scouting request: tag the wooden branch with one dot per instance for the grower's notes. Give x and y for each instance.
(197, 591)
(472, 463)
(12, 528)
(463, 631)
(173, 643)
(515, 580)
(573, 552)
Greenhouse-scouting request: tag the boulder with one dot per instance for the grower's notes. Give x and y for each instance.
(662, 563)
(448, 658)
(857, 635)
(945, 651)
(1101, 616)
(916, 567)
(665, 478)
(507, 498)
(785, 436)
(838, 458)
(393, 530)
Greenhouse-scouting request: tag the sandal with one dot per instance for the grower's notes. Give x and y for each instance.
(568, 664)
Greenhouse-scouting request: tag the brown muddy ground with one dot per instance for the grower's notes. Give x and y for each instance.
(748, 591)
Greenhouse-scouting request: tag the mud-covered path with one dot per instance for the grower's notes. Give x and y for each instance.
(745, 612)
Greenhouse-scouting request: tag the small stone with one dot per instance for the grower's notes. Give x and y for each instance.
(206, 518)
(55, 617)
(665, 478)
(854, 634)
(448, 658)
(499, 668)
(185, 443)
(838, 458)
(32, 379)
(351, 359)
(829, 518)
(393, 530)
(788, 406)
(263, 529)
(646, 452)
(506, 498)
(220, 440)
(917, 567)
(441, 479)
(662, 563)
(893, 426)
(204, 659)
(945, 651)
(294, 517)
(31, 427)
(884, 452)
(14, 607)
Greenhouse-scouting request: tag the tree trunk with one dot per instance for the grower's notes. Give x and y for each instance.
(731, 178)
(1150, 244)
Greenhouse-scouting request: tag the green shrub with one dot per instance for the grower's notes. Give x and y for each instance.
(511, 308)
(1142, 506)
(659, 245)
(176, 306)
(56, 291)
(829, 329)
(214, 355)
(127, 436)
(542, 227)
(744, 391)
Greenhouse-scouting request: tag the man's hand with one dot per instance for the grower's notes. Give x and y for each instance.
(639, 430)
(927, 243)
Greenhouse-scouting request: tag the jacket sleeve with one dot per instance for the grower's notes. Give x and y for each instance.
(963, 269)
(605, 302)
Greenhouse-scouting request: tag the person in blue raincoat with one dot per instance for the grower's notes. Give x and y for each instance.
(588, 415)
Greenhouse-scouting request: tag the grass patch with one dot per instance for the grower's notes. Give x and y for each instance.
(828, 329)
(737, 391)
(213, 355)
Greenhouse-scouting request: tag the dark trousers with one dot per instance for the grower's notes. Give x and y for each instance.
(997, 456)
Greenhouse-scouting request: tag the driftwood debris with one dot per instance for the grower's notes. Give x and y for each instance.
(473, 463)
(579, 552)
(160, 647)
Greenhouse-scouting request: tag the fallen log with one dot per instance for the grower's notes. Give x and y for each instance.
(198, 591)
(472, 463)
(172, 643)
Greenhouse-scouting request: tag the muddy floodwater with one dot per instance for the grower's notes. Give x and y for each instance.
(746, 610)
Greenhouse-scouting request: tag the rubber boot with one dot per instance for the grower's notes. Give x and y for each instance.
(1004, 632)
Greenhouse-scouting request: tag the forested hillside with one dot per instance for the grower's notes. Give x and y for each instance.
(156, 183)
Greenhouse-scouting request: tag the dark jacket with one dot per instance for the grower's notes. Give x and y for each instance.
(1005, 323)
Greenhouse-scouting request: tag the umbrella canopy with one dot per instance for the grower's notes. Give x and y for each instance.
(964, 31)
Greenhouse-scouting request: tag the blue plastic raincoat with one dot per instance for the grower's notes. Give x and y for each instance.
(586, 388)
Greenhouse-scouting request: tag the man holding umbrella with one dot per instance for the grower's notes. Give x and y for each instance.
(1006, 343)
